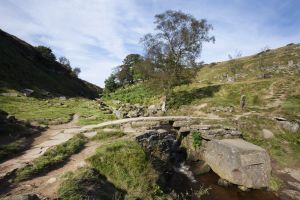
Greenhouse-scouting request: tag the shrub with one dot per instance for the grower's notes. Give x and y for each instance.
(197, 140)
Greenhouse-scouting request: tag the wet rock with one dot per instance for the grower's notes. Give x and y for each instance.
(243, 188)
(223, 182)
(201, 168)
(239, 162)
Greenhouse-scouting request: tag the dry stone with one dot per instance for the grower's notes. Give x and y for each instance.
(239, 162)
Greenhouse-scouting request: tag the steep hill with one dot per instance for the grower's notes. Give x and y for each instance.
(22, 66)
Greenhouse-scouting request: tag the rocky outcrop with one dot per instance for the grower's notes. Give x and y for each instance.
(239, 162)
(291, 126)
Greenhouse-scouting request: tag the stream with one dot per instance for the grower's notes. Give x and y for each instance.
(177, 178)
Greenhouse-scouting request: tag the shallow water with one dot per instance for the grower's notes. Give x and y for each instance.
(230, 193)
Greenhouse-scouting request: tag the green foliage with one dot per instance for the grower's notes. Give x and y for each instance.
(139, 93)
(197, 140)
(103, 135)
(172, 52)
(46, 52)
(87, 183)
(52, 158)
(126, 165)
(275, 183)
(111, 84)
(292, 104)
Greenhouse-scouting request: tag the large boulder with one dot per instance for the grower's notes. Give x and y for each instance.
(239, 162)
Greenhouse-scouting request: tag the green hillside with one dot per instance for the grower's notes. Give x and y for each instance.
(22, 66)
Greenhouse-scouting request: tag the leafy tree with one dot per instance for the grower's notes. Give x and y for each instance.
(76, 71)
(125, 73)
(65, 62)
(173, 51)
(46, 52)
(111, 84)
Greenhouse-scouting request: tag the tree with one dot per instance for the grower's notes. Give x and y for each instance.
(173, 51)
(125, 73)
(111, 84)
(65, 62)
(46, 52)
(76, 71)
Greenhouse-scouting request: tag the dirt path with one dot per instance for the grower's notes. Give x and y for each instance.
(47, 185)
(52, 136)
(60, 133)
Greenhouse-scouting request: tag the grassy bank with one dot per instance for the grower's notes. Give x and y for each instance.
(53, 110)
(126, 165)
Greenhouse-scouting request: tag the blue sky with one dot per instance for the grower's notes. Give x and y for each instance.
(96, 35)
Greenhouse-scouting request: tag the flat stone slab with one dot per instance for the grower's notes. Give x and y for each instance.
(239, 162)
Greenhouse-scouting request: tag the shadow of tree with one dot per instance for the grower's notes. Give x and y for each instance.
(180, 98)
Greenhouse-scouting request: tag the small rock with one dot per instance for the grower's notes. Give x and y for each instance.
(62, 98)
(267, 134)
(243, 188)
(223, 182)
(184, 130)
(52, 180)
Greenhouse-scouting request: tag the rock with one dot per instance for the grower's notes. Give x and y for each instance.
(51, 180)
(200, 127)
(119, 114)
(239, 162)
(291, 195)
(132, 113)
(152, 109)
(163, 104)
(243, 188)
(267, 134)
(220, 133)
(223, 182)
(178, 124)
(8, 94)
(202, 168)
(184, 130)
(289, 126)
(243, 102)
(23, 197)
(27, 92)
(116, 102)
(148, 124)
(62, 98)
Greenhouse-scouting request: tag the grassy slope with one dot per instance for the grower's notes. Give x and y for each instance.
(21, 66)
(54, 110)
(211, 87)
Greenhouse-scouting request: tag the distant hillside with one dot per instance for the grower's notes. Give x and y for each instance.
(22, 66)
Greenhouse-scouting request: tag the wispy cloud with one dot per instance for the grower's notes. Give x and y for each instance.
(97, 34)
